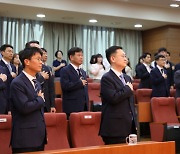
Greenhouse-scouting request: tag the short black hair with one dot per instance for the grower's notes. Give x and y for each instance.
(28, 43)
(56, 53)
(111, 50)
(4, 46)
(43, 49)
(145, 54)
(162, 49)
(168, 53)
(73, 50)
(157, 57)
(27, 53)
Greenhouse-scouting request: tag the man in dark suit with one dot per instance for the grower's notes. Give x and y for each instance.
(10, 70)
(118, 111)
(28, 124)
(177, 82)
(143, 71)
(46, 78)
(177, 67)
(74, 83)
(160, 87)
(3, 99)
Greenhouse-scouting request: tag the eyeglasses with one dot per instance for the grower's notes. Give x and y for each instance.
(38, 59)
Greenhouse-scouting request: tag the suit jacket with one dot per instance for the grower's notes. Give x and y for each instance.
(75, 95)
(160, 87)
(144, 75)
(3, 98)
(177, 67)
(118, 109)
(177, 82)
(8, 81)
(28, 124)
(47, 87)
(170, 74)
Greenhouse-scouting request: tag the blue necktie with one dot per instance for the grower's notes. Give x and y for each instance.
(35, 85)
(9, 67)
(36, 88)
(122, 79)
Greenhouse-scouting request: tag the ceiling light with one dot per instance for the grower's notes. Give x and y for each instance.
(177, 0)
(40, 15)
(174, 5)
(138, 25)
(93, 20)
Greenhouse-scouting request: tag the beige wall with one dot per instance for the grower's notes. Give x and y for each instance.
(168, 37)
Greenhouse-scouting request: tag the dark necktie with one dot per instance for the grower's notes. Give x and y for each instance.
(79, 72)
(162, 71)
(35, 85)
(122, 79)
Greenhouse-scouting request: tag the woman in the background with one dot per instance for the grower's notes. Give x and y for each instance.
(59, 63)
(128, 69)
(92, 61)
(97, 70)
(16, 61)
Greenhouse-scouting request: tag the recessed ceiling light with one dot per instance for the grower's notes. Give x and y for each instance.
(177, 0)
(93, 20)
(138, 25)
(40, 15)
(174, 5)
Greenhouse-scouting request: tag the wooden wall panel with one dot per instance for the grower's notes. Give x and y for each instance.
(168, 37)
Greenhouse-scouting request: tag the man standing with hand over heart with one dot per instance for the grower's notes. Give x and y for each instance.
(74, 84)
(118, 118)
(27, 100)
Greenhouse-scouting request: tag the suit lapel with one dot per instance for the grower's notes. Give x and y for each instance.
(73, 70)
(115, 77)
(27, 83)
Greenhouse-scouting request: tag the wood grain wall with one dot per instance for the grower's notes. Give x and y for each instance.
(168, 37)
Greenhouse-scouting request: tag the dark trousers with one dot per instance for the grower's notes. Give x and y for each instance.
(117, 140)
(85, 109)
(22, 150)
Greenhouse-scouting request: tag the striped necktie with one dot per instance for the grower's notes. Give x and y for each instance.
(35, 85)
(9, 67)
(122, 79)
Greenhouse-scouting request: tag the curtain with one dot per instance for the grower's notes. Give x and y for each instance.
(59, 36)
(19, 31)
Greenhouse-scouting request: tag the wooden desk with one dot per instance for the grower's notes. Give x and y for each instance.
(141, 148)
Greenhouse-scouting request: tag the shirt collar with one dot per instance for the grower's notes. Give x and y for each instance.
(74, 66)
(160, 68)
(30, 77)
(5, 61)
(146, 65)
(116, 72)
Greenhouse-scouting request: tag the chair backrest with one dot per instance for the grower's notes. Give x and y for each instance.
(172, 92)
(58, 90)
(58, 105)
(5, 134)
(56, 125)
(178, 105)
(163, 109)
(136, 80)
(89, 80)
(143, 95)
(94, 92)
(135, 85)
(84, 129)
